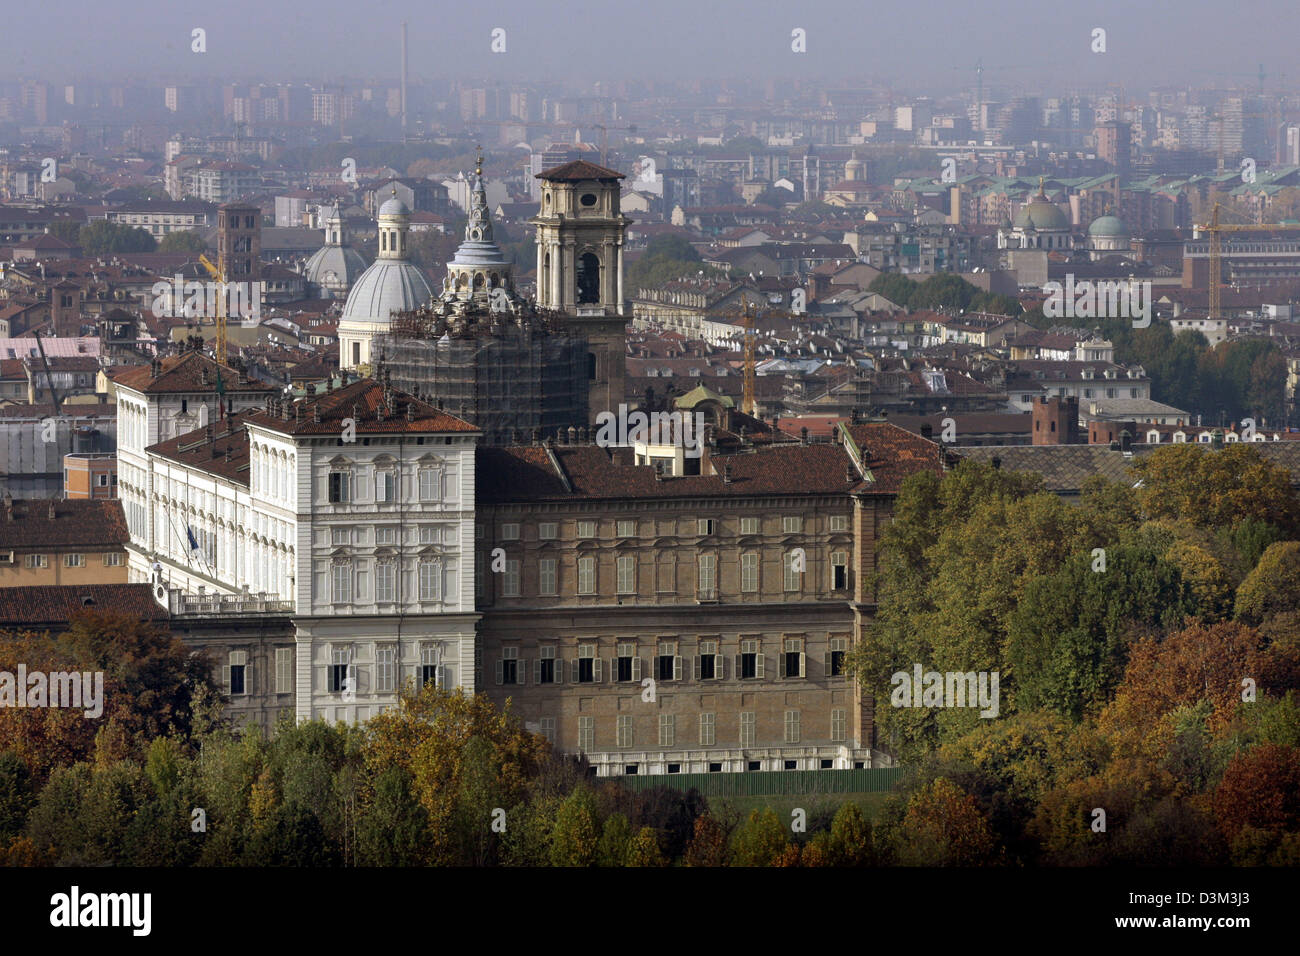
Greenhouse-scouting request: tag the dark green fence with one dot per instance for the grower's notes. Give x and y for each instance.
(772, 783)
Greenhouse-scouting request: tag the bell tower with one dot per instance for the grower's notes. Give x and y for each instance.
(580, 238)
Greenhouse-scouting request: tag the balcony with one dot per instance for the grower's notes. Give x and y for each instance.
(203, 605)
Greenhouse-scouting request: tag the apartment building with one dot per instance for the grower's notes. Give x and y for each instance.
(46, 541)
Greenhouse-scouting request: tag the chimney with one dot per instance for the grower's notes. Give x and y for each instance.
(315, 412)
(573, 435)
(51, 510)
(997, 463)
(726, 473)
(537, 436)
(850, 475)
(927, 431)
(803, 432)
(410, 411)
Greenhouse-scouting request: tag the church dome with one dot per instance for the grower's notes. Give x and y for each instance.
(1041, 214)
(1108, 226)
(389, 285)
(334, 268)
(394, 207)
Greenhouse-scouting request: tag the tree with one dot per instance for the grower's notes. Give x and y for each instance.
(708, 846)
(759, 841)
(943, 826)
(426, 734)
(102, 237)
(615, 838)
(895, 287)
(1273, 587)
(850, 837)
(577, 831)
(17, 795)
(643, 850)
(1218, 488)
(1260, 789)
(184, 240)
(391, 829)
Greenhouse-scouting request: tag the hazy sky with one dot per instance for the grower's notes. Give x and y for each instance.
(916, 44)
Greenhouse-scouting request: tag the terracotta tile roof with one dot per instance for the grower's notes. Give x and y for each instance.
(361, 401)
(55, 524)
(185, 373)
(225, 454)
(56, 605)
(1064, 467)
(528, 473)
(579, 170)
(892, 454)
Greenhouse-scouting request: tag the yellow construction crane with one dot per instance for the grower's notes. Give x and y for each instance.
(218, 272)
(1215, 229)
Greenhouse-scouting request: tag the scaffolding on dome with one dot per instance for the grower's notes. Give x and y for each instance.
(515, 376)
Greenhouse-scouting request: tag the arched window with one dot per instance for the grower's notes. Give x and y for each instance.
(588, 278)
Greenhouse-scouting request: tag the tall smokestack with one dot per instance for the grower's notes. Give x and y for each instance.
(403, 104)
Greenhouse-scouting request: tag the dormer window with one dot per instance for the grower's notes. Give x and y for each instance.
(588, 199)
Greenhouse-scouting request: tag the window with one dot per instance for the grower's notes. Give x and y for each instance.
(708, 664)
(792, 524)
(749, 526)
(627, 575)
(747, 731)
(510, 579)
(835, 661)
(669, 664)
(385, 578)
(586, 733)
(385, 487)
(431, 580)
(792, 659)
(707, 724)
(113, 559)
(284, 670)
(510, 531)
(342, 583)
(548, 728)
(235, 673)
(839, 522)
(429, 534)
(792, 576)
(749, 572)
(508, 666)
(546, 531)
(36, 561)
(430, 484)
(546, 576)
(385, 536)
(587, 575)
(385, 669)
(715, 768)
(624, 731)
(792, 726)
(707, 585)
(428, 664)
(627, 529)
(837, 725)
(627, 664)
(340, 487)
(667, 730)
(588, 664)
(74, 560)
(102, 480)
(839, 570)
(705, 526)
(340, 535)
(586, 529)
(751, 661)
(547, 671)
